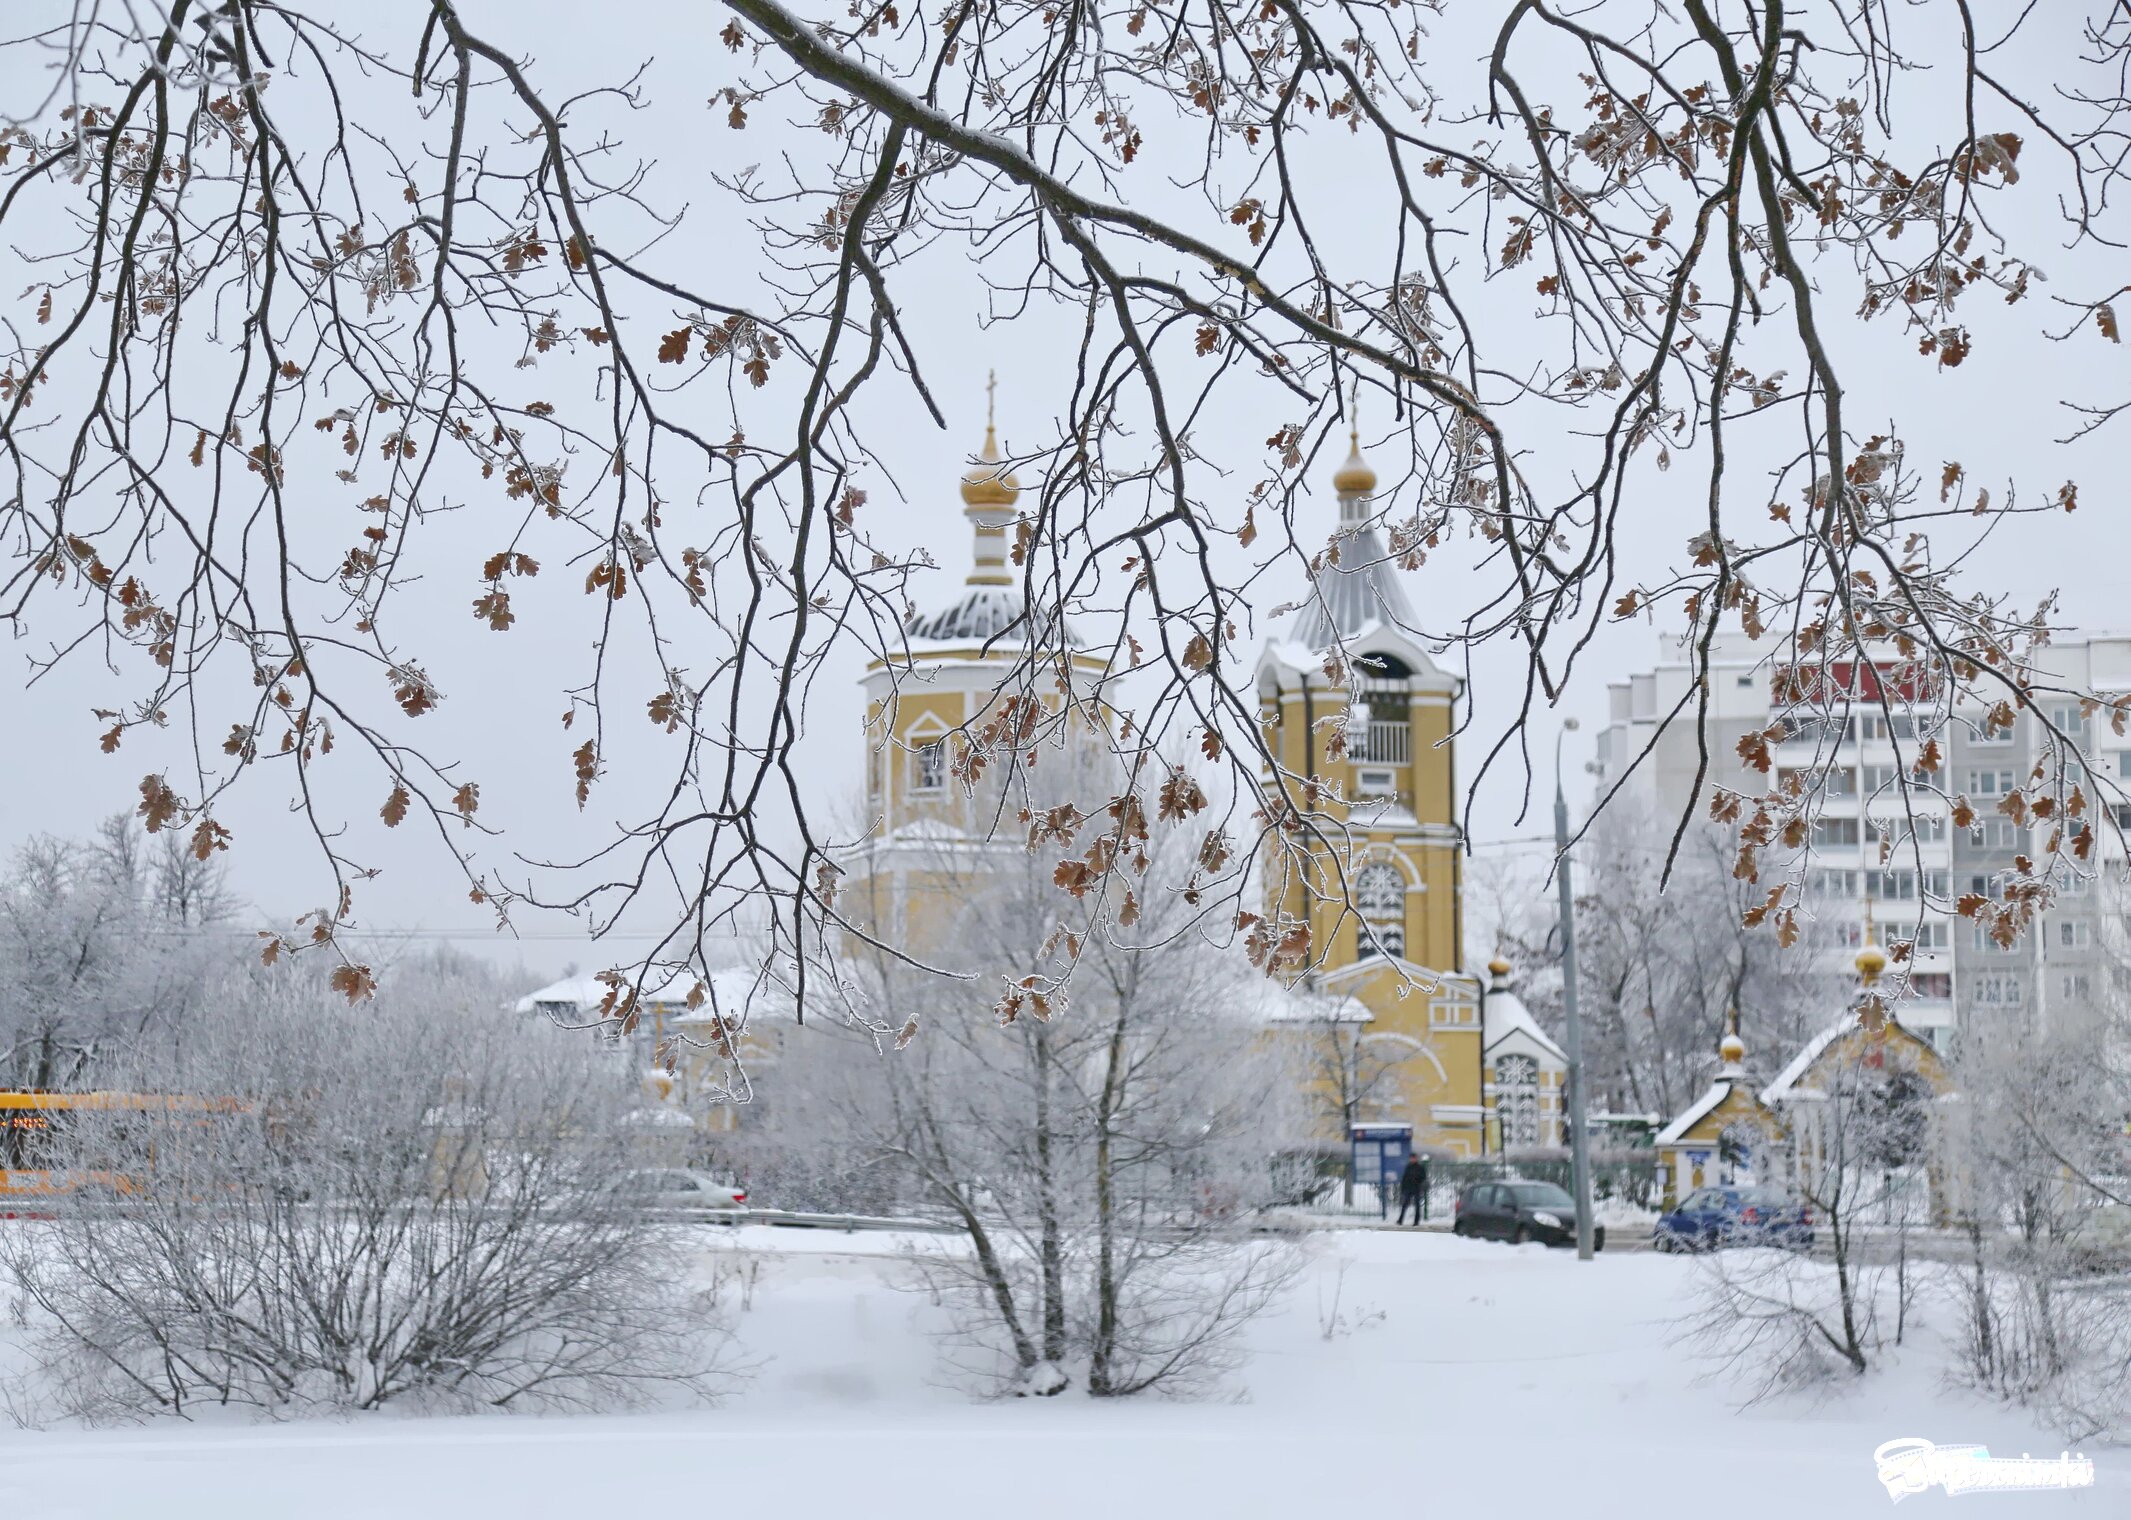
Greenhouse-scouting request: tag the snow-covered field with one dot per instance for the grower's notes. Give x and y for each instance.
(1471, 1379)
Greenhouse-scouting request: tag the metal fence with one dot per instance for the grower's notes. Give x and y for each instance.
(1626, 1177)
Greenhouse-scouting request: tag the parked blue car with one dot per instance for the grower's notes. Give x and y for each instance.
(1711, 1218)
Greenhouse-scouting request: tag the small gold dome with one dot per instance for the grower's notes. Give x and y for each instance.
(985, 484)
(1499, 967)
(1733, 1050)
(1871, 961)
(1355, 477)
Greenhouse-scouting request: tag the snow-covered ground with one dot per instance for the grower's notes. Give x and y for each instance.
(1471, 1379)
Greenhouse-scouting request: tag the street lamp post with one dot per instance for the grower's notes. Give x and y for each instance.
(1579, 1144)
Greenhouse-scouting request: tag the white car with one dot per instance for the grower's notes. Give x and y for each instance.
(681, 1191)
(2101, 1237)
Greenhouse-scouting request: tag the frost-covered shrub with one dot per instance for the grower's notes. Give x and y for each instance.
(334, 1207)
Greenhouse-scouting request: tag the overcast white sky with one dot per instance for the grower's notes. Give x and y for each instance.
(1998, 413)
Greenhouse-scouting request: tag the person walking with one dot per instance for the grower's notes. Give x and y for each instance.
(1413, 1189)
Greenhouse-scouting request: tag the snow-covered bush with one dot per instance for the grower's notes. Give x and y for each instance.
(2046, 1315)
(406, 1201)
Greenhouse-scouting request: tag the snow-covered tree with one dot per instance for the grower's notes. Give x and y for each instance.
(1103, 1155)
(1660, 962)
(334, 1207)
(101, 939)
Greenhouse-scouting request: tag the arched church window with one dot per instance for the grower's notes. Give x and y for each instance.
(1517, 1099)
(930, 766)
(1380, 894)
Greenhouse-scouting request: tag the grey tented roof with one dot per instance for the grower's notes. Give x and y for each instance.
(1361, 591)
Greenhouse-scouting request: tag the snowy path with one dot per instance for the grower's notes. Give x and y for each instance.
(1498, 1381)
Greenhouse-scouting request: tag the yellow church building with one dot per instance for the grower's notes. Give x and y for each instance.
(1465, 1064)
(950, 673)
(1359, 719)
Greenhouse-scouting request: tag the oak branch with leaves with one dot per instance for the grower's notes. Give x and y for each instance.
(297, 295)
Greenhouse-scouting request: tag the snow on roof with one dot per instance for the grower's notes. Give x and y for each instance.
(657, 1118)
(925, 831)
(1503, 1014)
(1297, 1005)
(1387, 813)
(729, 991)
(583, 993)
(985, 614)
(1786, 1083)
(1355, 596)
(1696, 1112)
(742, 991)
(1425, 980)
(1290, 655)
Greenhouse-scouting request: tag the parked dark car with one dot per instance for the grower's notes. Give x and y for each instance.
(1710, 1218)
(1520, 1211)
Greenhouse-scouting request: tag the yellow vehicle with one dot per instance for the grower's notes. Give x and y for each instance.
(31, 1124)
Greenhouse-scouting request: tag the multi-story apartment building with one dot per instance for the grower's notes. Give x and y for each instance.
(1957, 974)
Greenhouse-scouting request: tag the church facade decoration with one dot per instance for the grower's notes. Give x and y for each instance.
(1383, 909)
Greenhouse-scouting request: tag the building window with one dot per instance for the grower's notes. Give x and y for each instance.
(929, 767)
(2076, 986)
(1890, 886)
(1834, 831)
(2000, 990)
(1932, 984)
(1930, 829)
(1989, 783)
(1880, 780)
(1985, 945)
(1380, 895)
(1995, 834)
(1817, 729)
(1919, 937)
(1834, 883)
(1981, 736)
(2070, 719)
(2073, 934)
(1517, 1099)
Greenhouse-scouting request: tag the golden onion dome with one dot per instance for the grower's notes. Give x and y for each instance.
(1871, 961)
(985, 484)
(1499, 967)
(1733, 1050)
(1355, 477)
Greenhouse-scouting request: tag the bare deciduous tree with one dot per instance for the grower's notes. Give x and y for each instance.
(1662, 964)
(101, 940)
(1103, 1161)
(275, 262)
(1857, 1152)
